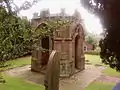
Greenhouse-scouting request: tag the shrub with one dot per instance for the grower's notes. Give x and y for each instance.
(15, 36)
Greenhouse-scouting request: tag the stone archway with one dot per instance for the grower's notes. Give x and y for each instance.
(77, 52)
(45, 54)
(78, 38)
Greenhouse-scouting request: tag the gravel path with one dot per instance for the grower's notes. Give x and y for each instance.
(108, 79)
(82, 79)
(76, 82)
(26, 74)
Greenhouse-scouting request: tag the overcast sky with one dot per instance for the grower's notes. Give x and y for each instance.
(92, 23)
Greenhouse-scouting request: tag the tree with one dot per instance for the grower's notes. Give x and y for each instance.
(108, 11)
(12, 8)
(14, 36)
(89, 40)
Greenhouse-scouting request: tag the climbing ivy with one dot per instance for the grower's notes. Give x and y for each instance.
(47, 29)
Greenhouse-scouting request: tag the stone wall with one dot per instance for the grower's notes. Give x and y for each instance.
(63, 46)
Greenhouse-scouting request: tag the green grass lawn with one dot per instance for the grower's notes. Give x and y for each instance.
(100, 86)
(93, 59)
(14, 83)
(17, 62)
(111, 72)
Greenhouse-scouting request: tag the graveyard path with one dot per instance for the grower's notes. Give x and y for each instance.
(80, 80)
(26, 74)
(108, 79)
(76, 82)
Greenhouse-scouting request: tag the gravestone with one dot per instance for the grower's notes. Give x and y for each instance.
(53, 72)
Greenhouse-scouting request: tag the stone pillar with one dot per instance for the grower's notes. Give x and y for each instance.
(82, 55)
(78, 52)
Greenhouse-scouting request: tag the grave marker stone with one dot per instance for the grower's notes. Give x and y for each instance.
(53, 72)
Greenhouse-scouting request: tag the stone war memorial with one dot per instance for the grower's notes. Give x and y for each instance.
(67, 41)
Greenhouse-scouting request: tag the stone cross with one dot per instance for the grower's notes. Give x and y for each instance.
(53, 72)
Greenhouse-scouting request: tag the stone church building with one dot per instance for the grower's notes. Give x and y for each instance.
(67, 41)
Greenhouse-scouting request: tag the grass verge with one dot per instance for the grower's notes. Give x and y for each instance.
(111, 72)
(100, 86)
(14, 83)
(93, 59)
(17, 63)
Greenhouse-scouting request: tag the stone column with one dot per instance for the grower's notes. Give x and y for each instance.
(82, 54)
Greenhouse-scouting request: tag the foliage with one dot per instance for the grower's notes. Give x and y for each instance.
(95, 51)
(12, 8)
(108, 11)
(15, 35)
(47, 28)
(92, 39)
(89, 40)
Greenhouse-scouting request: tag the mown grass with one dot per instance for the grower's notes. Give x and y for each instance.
(93, 59)
(111, 72)
(100, 86)
(14, 83)
(17, 63)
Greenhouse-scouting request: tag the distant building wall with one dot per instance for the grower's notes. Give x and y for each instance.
(87, 47)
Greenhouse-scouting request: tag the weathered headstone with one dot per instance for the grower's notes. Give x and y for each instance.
(53, 72)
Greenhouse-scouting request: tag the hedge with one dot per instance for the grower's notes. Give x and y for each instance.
(15, 36)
